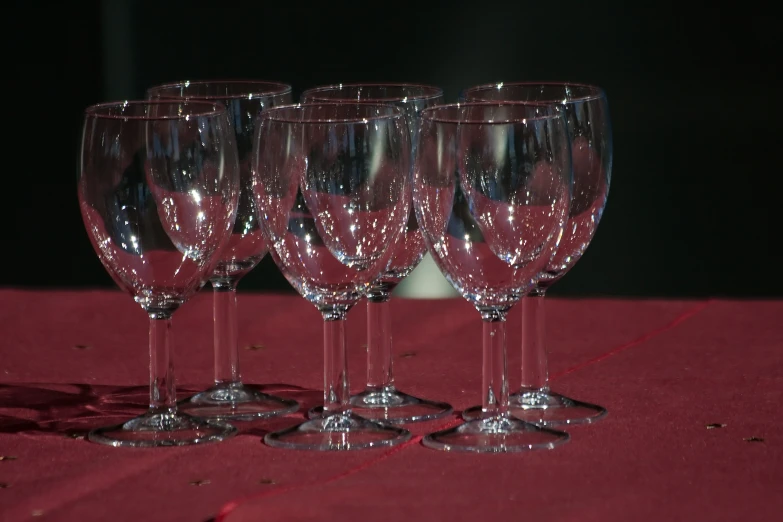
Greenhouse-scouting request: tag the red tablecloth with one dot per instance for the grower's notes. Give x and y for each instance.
(665, 370)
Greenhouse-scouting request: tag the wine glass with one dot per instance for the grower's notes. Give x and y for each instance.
(491, 190)
(589, 127)
(381, 400)
(158, 190)
(229, 398)
(332, 183)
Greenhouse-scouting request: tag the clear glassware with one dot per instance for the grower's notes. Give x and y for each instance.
(332, 183)
(381, 400)
(158, 192)
(589, 126)
(492, 186)
(229, 398)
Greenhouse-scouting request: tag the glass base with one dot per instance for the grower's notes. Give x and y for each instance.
(167, 428)
(338, 432)
(495, 435)
(390, 406)
(236, 402)
(546, 409)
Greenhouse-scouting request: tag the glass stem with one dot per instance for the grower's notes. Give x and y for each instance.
(336, 388)
(224, 310)
(380, 376)
(535, 371)
(163, 392)
(495, 368)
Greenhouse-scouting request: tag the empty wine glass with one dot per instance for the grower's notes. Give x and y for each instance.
(589, 127)
(158, 189)
(229, 398)
(333, 187)
(491, 190)
(381, 400)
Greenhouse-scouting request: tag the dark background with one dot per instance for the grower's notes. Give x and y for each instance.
(696, 193)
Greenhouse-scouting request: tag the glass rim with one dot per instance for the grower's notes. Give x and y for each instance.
(429, 113)
(435, 91)
(273, 113)
(596, 92)
(208, 108)
(270, 88)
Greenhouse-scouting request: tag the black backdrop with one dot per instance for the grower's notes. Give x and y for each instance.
(696, 191)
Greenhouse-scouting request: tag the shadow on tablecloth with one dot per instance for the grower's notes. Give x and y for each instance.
(74, 409)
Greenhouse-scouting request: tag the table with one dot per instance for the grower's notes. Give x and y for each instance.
(693, 388)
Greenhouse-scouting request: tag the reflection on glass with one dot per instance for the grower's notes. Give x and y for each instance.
(589, 128)
(158, 190)
(381, 400)
(492, 190)
(229, 398)
(333, 187)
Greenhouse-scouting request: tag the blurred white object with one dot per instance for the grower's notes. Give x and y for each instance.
(425, 282)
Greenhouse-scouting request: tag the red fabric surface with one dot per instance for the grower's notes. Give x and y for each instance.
(70, 361)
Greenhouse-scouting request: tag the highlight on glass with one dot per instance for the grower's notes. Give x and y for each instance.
(332, 184)
(381, 400)
(229, 398)
(590, 133)
(492, 188)
(158, 190)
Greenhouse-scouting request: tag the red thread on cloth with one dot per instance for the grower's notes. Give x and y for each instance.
(226, 510)
(639, 340)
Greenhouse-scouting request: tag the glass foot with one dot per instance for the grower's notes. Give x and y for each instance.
(342, 431)
(546, 409)
(390, 406)
(236, 402)
(167, 428)
(495, 435)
